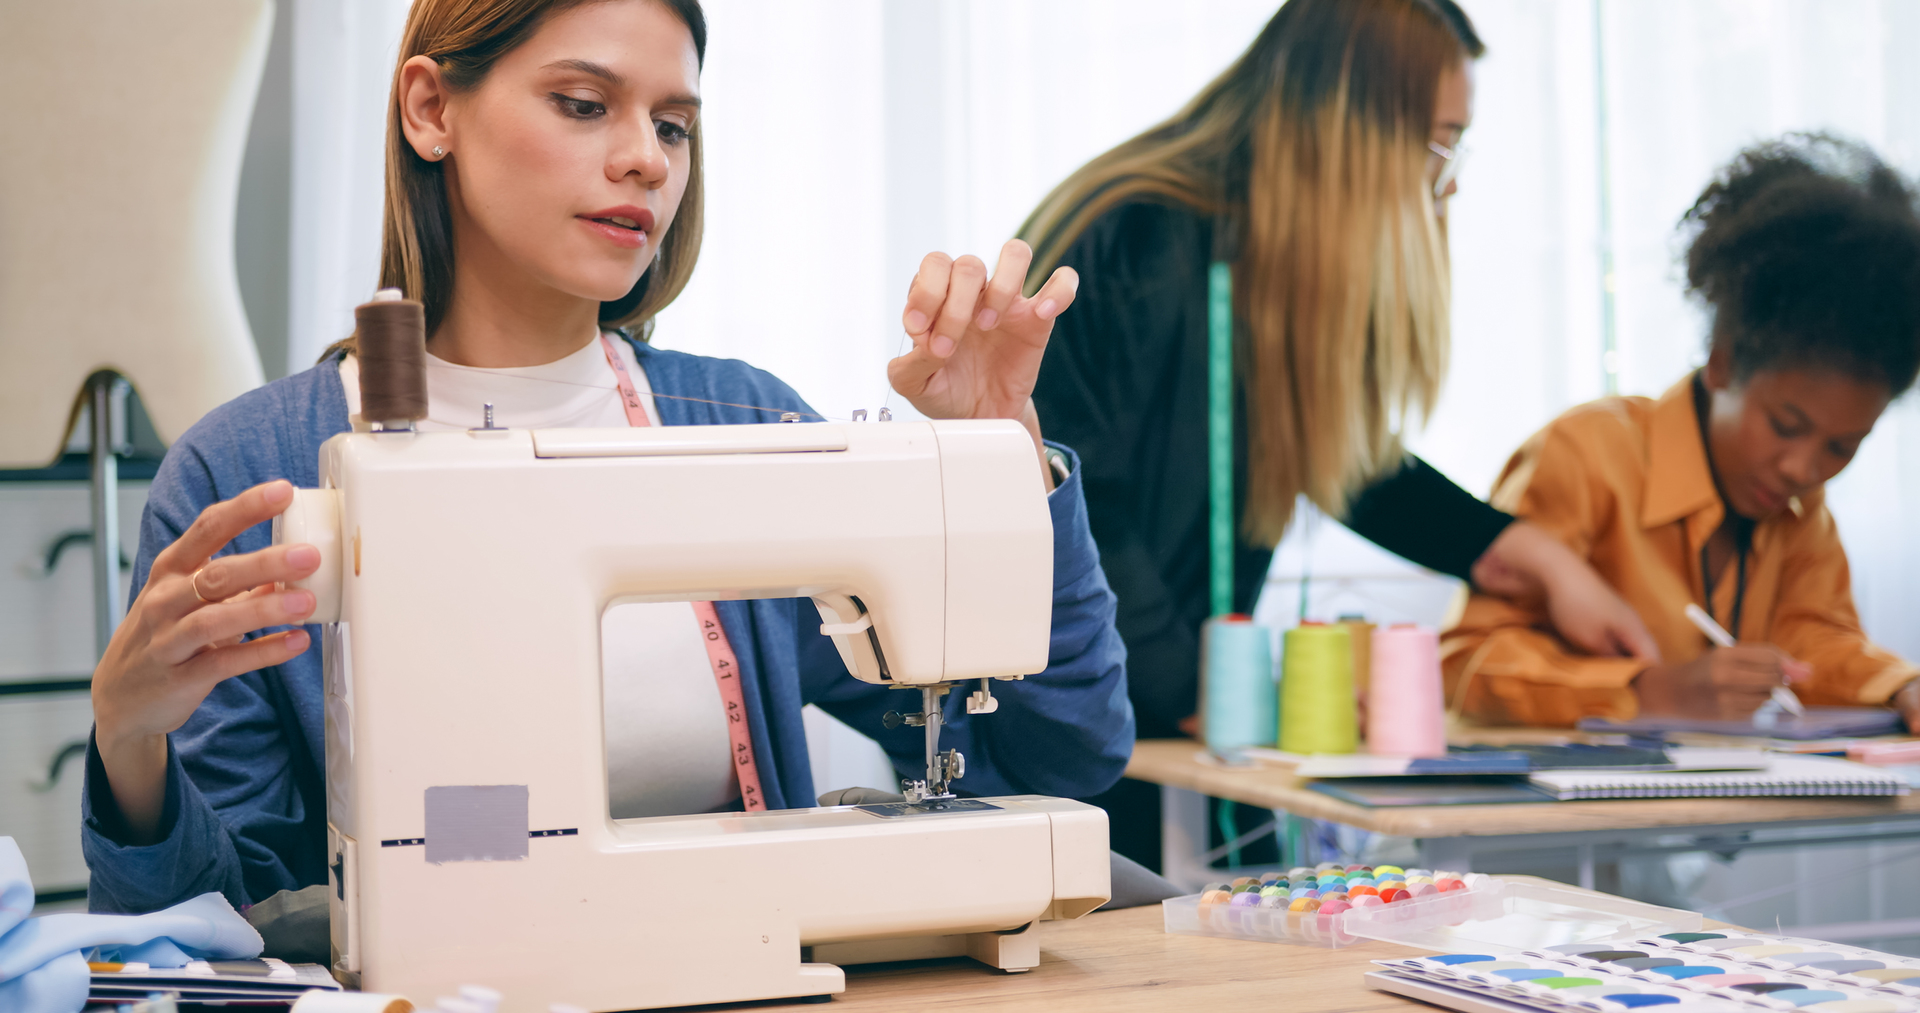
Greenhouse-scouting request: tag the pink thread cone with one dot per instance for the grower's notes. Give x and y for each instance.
(1406, 713)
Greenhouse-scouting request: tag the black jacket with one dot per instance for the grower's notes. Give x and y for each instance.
(1124, 383)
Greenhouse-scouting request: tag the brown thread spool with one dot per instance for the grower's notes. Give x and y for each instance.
(392, 350)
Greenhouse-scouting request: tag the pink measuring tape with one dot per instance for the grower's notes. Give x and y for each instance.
(726, 668)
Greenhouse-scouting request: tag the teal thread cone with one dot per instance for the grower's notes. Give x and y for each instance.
(1317, 708)
(1238, 695)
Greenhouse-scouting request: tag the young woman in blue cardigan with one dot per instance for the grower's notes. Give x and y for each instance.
(544, 203)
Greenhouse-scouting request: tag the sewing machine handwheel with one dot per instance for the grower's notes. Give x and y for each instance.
(314, 518)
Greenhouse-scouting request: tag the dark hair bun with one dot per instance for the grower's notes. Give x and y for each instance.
(1808, 250)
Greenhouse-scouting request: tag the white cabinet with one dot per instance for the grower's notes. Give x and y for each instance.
(46, 635)
(46, 618)
(40, 732)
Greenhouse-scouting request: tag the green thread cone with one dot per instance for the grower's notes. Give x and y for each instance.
(1317, 712)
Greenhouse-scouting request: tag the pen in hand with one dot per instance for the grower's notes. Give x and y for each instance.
(1721, 638)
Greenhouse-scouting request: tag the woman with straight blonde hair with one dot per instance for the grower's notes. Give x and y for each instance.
(1315, 171)
(543, 203)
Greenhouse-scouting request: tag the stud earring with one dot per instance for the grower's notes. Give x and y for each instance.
(439, 152)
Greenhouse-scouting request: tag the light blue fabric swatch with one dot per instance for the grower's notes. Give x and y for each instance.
(42, 967)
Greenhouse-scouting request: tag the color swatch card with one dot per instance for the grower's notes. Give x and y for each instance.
(265, 980)
(1692, 972)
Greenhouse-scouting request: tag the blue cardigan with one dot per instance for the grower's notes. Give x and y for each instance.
(245, 811)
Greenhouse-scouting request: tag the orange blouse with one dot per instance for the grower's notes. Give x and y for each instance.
(1624, 482)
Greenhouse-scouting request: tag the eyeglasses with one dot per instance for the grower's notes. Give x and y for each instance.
(1450, 161)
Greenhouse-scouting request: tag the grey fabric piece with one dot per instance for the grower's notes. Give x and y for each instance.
(1134, 884)
(859, 796)
(293, 925)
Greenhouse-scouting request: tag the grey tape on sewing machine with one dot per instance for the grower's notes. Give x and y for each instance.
(477, 823)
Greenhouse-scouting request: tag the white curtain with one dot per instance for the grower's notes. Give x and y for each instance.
(1597, 123)
(1687, 86)
(848, 138)
(343, 57)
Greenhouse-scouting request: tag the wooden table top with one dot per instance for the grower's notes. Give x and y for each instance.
(1118, 961)
(1272, 785)
(1123, 960)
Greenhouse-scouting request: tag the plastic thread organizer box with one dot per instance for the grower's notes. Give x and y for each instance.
(1490, 913)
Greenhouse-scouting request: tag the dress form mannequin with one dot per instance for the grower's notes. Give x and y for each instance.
(122, 128)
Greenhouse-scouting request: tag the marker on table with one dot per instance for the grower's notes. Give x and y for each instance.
(1721, 638)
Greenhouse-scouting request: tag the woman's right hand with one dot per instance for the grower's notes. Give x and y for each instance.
(1724, 684)
(184, 634)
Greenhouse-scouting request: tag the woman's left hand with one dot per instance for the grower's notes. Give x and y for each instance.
(977, 342)
(1527, 564)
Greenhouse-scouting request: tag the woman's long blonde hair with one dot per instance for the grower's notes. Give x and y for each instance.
(1310, 152)
(466, 38)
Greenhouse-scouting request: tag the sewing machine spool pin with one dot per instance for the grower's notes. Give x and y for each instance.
(487, 427)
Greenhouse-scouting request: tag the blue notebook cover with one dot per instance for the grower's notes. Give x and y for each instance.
(1401, 791)
(1452, 765)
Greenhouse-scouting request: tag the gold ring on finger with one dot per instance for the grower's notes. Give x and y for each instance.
(194, 582)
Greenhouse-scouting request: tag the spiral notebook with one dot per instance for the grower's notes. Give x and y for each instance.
(1785, 774)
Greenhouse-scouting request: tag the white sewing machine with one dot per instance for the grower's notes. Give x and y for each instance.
(469, 830)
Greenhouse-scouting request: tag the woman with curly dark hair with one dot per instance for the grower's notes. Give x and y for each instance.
(1806, 251)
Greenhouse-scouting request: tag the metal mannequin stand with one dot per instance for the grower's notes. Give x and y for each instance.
(106, 404)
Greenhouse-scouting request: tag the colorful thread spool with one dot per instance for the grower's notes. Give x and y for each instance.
(1406, 710)
(1239, 701)
(1317, 707)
